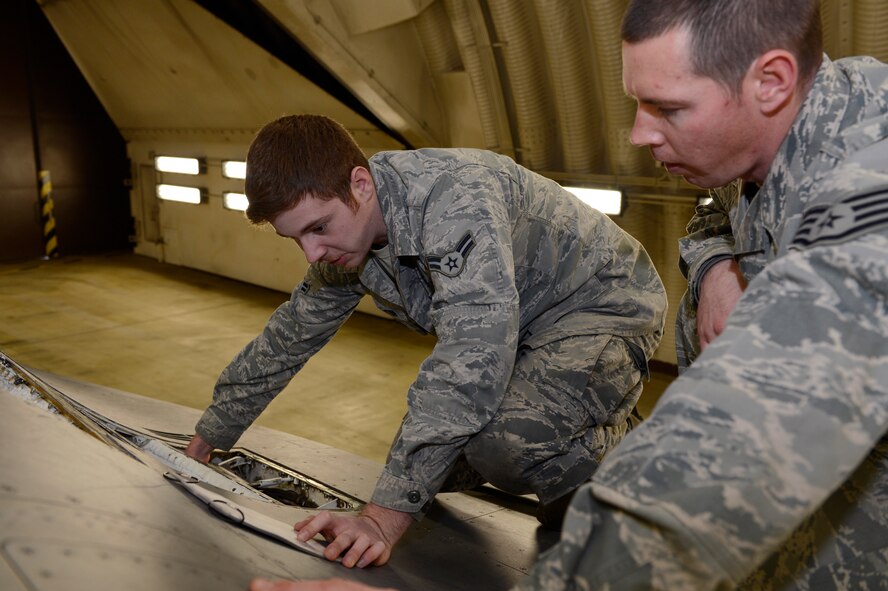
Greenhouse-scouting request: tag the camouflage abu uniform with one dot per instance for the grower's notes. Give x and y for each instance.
(545, 314)
(765, 465)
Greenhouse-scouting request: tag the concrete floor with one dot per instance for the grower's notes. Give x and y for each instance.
(163, 331)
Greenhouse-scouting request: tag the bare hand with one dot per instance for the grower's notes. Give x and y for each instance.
(721, 288)
(199, 449)
(367, 538)
(328, 585)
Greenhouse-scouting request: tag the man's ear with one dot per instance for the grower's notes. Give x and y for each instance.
(362, 185)
(775, 75)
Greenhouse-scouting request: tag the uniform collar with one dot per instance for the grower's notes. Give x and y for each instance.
(816, 121)
(390, 191)
(787, 185)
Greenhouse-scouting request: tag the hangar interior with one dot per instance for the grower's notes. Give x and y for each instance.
(154, 296)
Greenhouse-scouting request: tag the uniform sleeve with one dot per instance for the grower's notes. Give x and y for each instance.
(751, 440)
(295, 332)
(709, 238)
(467, 238)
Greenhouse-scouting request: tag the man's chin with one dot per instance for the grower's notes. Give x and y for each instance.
(696, 181)
(701, 181)
(691, 176)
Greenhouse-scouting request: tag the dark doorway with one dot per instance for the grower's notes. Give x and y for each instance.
(50, 119)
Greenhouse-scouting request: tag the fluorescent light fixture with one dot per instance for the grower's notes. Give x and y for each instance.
(191, 195)
(176, 164)
(607, 201)
(704, 200)
(234, 169)
(234, 201)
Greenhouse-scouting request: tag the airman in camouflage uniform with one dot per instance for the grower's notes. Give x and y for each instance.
(544, 311)
(765, 465)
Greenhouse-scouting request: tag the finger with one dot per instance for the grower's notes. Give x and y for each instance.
(702, 337)
(342, 543)
(361, 543)
(378, 554)
(309, 528)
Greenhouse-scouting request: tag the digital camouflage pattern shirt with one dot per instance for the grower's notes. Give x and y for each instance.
(765, 465)
(486, 256)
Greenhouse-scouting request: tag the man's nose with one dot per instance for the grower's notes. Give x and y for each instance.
(644, 132)
(313, 250)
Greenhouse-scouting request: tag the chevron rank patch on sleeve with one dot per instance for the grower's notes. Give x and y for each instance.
(452, 263)
(843, 220)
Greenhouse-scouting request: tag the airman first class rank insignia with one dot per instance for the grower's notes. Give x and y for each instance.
(843, 220)
(452, 263)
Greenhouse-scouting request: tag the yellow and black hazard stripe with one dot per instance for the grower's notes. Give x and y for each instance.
(50, 241)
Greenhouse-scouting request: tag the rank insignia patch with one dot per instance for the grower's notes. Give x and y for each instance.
(452, 263)
(842, 221)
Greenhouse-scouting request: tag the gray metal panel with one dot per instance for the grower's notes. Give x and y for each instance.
(76, 513)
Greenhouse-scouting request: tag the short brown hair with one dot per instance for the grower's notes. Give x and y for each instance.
(298, 155)
(728, 35)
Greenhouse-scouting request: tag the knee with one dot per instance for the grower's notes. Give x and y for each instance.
(504, 460)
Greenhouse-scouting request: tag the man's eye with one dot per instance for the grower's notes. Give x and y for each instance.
(667, 112)
(320, 228)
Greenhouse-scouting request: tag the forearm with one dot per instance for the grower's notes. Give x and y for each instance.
(457, 391)
(603, 547)
(297, 330)
(225, 420)
(242, 392)
(709, 237)
(411, 490)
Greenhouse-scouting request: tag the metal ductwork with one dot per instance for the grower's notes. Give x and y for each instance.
(568, 57)
(437, 39)
(482, 73)
(871, 25)
(527, 81)
(604, 18)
